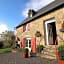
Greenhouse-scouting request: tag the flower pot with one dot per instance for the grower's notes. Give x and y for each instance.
(24, 55)
(61, 61)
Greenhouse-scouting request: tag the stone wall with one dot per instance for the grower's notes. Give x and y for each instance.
(38, 25)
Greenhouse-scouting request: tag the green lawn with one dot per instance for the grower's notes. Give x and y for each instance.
(5, 50)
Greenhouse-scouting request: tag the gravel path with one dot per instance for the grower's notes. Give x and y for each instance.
(16, 58)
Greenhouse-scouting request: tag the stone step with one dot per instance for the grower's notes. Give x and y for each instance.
(48, 56)
(50, 51)
(50, 47)
(52, 54)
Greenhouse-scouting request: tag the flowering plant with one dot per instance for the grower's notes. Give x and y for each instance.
(37, 34)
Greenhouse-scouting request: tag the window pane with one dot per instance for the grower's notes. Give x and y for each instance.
(29, 43)
(24, 27)
(26, 43)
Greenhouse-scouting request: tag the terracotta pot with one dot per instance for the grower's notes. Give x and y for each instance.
(61, 61)
(24, 55)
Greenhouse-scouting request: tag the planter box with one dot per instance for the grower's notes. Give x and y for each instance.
(61, 61)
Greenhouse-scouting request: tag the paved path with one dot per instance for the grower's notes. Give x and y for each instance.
(16, 58)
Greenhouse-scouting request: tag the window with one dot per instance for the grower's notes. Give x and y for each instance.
(24, 28)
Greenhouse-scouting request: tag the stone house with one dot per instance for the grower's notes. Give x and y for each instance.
(48, 22)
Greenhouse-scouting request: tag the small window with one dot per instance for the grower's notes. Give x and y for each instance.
(24, 28)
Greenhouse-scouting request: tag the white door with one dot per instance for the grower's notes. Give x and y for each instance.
(28, 44)
(46, 29)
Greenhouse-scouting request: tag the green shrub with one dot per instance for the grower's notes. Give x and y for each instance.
(13, 46)
(37, 48)
(8, 43)
(24, 50)
(1, 44)
(61, 52)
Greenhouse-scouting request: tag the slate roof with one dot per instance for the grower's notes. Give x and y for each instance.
(44, 10)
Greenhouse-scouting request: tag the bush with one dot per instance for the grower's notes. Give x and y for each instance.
(61, 52)
(13, 46)
(41, 48)
(24, 50)
(8, 43)
(1, 44)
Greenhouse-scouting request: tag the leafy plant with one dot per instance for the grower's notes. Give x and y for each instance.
(9, 44)
(24, 50)
(37, 48)
(61, 52)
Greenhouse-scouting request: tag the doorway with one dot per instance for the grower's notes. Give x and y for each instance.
(27, 43)
(50, 32)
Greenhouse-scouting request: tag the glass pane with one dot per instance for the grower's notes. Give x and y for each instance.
(26, 43)
(29, 43)
(24, 27)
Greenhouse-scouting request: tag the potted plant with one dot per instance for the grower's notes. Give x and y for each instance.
(61, 54)
(38, 34)
(41, 48)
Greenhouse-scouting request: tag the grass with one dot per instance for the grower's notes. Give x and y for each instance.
(5, 50)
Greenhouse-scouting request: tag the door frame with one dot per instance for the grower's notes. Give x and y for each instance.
(46, 29)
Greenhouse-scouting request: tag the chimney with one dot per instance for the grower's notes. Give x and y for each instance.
(31, 13)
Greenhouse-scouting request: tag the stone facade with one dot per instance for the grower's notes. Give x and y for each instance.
(38, 25)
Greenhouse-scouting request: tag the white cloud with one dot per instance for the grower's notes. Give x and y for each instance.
(3, 27)
(35, 4)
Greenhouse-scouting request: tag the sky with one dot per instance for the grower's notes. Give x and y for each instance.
(13, 12)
